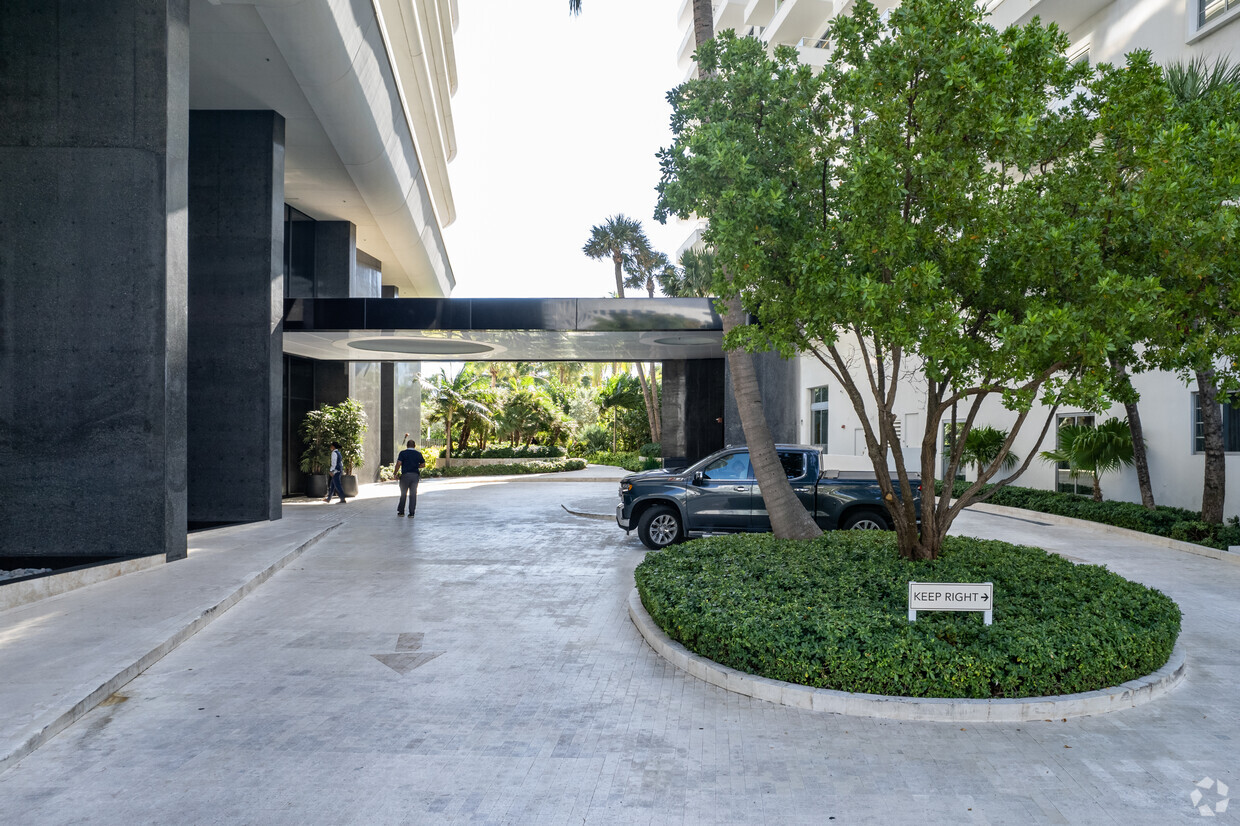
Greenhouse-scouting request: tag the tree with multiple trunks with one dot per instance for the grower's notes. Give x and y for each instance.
(904, 216)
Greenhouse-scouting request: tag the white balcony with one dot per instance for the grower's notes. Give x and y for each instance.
(1069, 14)
(798, 19)
(729, 14)
(760, 12)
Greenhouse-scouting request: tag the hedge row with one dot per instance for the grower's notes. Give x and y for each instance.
(507, 470)
(632, 461)
(1175, 523)
(522, 452)
(832, 613)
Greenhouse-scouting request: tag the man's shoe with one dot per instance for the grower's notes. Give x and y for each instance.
(328, 499)
(400, 513)
(342, 501)
(411, 516)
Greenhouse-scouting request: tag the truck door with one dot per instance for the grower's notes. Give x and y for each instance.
(797, 469)
(719, 499)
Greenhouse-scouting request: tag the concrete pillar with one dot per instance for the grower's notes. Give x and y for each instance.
(93, 277)
(335, 259)
(236, 304)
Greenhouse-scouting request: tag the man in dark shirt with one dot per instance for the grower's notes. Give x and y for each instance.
(408, 463)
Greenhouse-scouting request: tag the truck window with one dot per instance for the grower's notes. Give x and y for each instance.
(733, 466)
(794, 464)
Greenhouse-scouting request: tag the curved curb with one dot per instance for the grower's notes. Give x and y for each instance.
(925, 709)
(605, 517)
(1114, 530)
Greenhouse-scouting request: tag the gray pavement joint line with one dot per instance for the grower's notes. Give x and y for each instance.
(922, 709)
(117, 682)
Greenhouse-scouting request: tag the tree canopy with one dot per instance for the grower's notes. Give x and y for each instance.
(906, 216)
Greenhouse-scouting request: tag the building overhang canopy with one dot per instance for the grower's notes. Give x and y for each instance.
(502, 329)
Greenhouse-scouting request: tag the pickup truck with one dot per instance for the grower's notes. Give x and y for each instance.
(719, 494)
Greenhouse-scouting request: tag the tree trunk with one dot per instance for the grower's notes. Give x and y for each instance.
(648, 395)
(619, 276)
(789, 519)
(447, 434)
(703, 21)
(1214, 487)
(1140, 459)
(1097, 486)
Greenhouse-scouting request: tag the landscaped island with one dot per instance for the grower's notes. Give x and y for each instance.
(832, 613)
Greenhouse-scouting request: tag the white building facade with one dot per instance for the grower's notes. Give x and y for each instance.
(1101, 31)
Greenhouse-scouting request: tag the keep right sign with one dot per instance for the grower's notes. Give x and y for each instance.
(950, 596)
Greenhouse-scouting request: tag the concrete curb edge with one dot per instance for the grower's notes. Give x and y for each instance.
(118, 681)
(1068, 521)
(1127, 695)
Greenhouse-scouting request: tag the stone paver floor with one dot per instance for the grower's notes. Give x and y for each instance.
(476, 664)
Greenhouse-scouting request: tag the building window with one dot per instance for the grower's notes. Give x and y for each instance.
(1231, 425)
(1066, 482)
(1209, 10)
(818, 418)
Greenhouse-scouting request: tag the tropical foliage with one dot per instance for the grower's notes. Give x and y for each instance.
(938, 201)
(531, 409)
(344, 423)
(1093, 450)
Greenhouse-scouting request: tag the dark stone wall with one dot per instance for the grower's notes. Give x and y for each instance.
(335, 259)
(93, 256)
(692, 405)
(236, 278)
(777, 383)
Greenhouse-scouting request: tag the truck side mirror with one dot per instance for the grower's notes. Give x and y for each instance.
(697, 478)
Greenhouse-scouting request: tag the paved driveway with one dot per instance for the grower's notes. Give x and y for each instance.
(476, 664)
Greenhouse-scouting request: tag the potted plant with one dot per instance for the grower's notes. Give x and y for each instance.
(316, 434)
(348, 424)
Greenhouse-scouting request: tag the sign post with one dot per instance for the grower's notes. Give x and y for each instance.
(951, 596)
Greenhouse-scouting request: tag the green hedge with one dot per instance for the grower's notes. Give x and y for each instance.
(628, 460)
(833, 613)
(508, 470)
(521, 452)
(1175, 523)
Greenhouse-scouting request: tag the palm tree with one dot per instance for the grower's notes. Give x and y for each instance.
(1093, 450)
(692, 279)
(982, 445)
(453, 396)
(620, 391)
(625, 242)
(1193, 85)
(621, 239)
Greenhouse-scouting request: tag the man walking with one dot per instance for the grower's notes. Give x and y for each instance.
(408, 463)
(335, 473)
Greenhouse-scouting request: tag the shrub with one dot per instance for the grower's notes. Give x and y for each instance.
(629, 461)
(652, 450)
(832, 613)
(557, 466)
(1174, 523)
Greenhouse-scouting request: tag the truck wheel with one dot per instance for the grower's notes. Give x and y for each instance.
(659, 527)
(865, 520)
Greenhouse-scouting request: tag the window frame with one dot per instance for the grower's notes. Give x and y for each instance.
(819, 406)
(1231, 432)
(1199, 26)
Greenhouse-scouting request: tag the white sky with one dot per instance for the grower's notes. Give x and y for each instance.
(557, 123)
